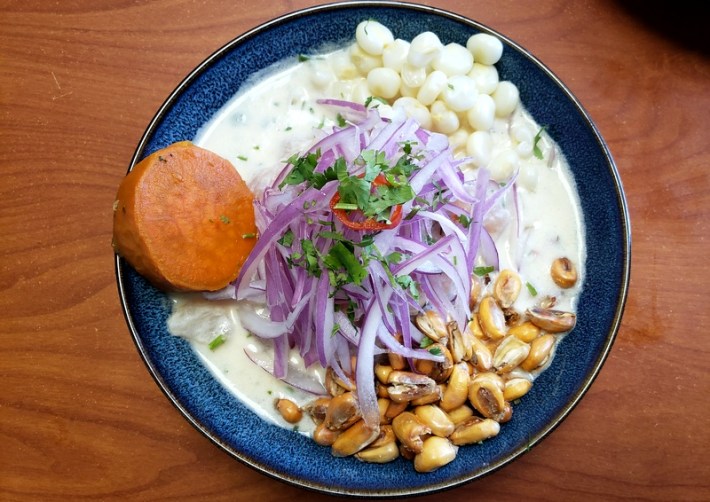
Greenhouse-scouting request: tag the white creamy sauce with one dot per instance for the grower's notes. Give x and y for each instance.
(278, 116)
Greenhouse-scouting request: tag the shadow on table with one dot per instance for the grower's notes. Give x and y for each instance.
(684, 22)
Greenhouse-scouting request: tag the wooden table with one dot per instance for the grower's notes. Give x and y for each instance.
(80, 417)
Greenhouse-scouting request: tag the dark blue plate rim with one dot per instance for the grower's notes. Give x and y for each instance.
(534, 440)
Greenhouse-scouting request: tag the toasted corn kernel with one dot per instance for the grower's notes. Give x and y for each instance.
(510, 353)
(409, 430)
(515, 388)
(324, 436)
(317, 409)
(460, 414)
(335, 385)
(540, 350)
(382, 405)
(438, 371)
(474, 430)
(436, 452)
(552, 321)
(436, 419)
(486, 395)
(289, 410)
(395, 409)
(431, 398)
(526, 331)
(507, 288)
(397, 361)
(456, 344)
(381, 390)
(404, 386)
(481, 356)
(456, 391)
(476, 288)
(382, 371)
(406, 452)
(512, 316)
(474, 326)
(353, 439)
(491, 318)
(343, 411)
(432, 325)
(563, 272)
(507, 413)
(547, 302)
(520, 373)
(382, 450)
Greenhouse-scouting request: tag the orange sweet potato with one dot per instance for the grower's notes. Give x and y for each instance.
(184, 219)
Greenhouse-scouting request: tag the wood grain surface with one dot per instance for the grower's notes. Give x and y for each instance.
(80, 416)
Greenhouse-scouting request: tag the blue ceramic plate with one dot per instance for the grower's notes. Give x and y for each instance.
(296, 459)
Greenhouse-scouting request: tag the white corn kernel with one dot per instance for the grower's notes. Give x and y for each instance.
(503, 165)
(342, 89)
(423, 49)
(372, 36)
(413, 76)
(443, 120)
(363, 61)
(460, 93)
(528, 177)
(394, 55)
(360, 90)
(414, 109)
(486, 77)
(485, 48)
(506, 97)
(342, 66)
(479, 147)
(434, 84)
(383, 82)
(453, 59)
(321, 73)
(521, 133)
(458, 140)
(524, 149)
(482, 114)
(406, 91)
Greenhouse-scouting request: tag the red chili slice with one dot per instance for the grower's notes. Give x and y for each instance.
(369, 224)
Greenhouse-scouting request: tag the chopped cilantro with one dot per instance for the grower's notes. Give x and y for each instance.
(250, 235)
(225, 219)
(464, 220)
(242, 157)
(536, 140)
(370, 99)
(531, 289)
(435, 351)
(303, 57)
(426, 342)
(287, 239)
(341, 120)
(218, 340)
(481, 271)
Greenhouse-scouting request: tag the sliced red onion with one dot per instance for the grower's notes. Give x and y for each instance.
(293, 376)
(437, 253)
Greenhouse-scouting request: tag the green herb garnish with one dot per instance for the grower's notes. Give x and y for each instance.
(481, 271)
(217, 341)
(531, 289)
(536, 140)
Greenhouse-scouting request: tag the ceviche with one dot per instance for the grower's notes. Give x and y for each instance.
(404, 255)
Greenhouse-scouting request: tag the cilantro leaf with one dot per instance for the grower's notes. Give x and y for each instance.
(536, 140)
(481, 271)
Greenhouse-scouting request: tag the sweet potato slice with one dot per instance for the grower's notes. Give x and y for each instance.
(184, 219)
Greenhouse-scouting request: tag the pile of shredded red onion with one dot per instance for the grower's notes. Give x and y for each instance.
(299, 310)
